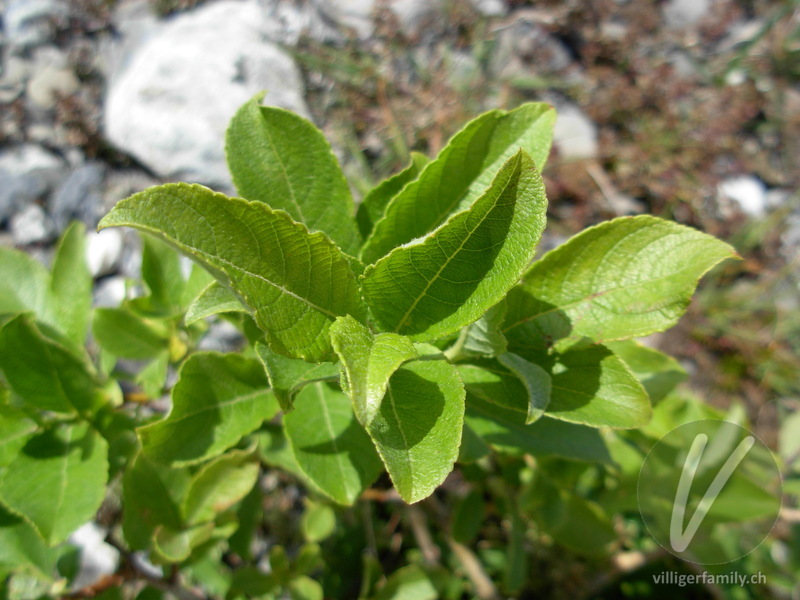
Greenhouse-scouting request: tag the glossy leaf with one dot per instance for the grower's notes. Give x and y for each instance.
(658, 372)
(214, 299)
(433, 288)
(408, 583)
(329, 445)
(58, 480)
(71, 284)
(45, 374)
(218, 399)
(624, 278)
(368, 362)
(374, 203)
(506, 431)
(280, 158)
(592, 386)
(219, 485)
(417, 430)
(461, 174)
(287, 376)
(296, 283)
(22, 548)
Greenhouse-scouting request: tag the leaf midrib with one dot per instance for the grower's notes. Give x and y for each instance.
(454, 254)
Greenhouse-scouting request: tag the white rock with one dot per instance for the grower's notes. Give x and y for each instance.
(110, 292)
(748, 192)
(103, 251)
(574, 135)
(490, 8)
(685, 13)
(31, 226)
(287, 22)
(172, 104)
(97, 557)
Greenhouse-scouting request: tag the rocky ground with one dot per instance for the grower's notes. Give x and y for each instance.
(687, 109)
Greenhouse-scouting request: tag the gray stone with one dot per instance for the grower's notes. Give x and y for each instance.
(51, 83)
(574, 135)
(490, 8)
(171, 105)
(288, 21)
(525, 50)
(80, 196)
(27, 173)
(109, 292)
(221, 336)
(32, 22)
(31, 226)
(685, 13)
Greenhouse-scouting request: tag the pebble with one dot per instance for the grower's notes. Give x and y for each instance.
(97, 558)
(747, 191)
(27, 173)
(31, 226)
(574, 135)
(171, 105)
(685, 13)
(109, 292)
(80, 196)
(51, 83)
(104, 251)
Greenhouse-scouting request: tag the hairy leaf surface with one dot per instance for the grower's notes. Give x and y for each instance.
(624, 278)
(461, 174)
(296, 283)
(431, 289)
(417, 430)
(330, 446)
(368, 361)
(288, 376)
(280, 158)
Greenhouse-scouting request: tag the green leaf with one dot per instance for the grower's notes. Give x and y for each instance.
(153, 376)
(484, 336)
(218, 399)
(468, 517)
(42, 372)
(25, 286)
(219, 485)
(408, 583)
(174, 546)
(21, 547)
(592, 386)
(128, 335)
(504, 430)
(58, 480)
(511, 382)
(287, 376)
(461, 174)
(329, 445)
(658, 372)
(368, 362)
(318, 522)
(296, 283)
(431, 289)
(71, 284)
(305, 588)
(624, 278)
(280, 158)
(163, 275)
(15, 431)
(153, 495)
(374, 203)
(417, 430)
(214, 299)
